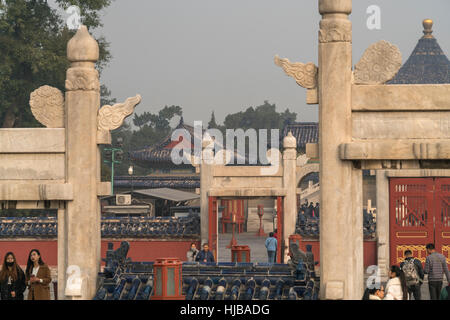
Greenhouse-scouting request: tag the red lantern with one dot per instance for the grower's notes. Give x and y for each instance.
(167, 279)
(240, 254)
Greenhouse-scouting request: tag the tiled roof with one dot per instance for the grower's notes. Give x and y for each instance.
(128, 280)
(308, 227)
(427, 64)
(161, 152)
(123, 227)
(186, 182)
(304, 132)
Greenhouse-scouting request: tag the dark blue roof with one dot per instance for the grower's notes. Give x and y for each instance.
(427, 64)
(116, 228)
(309, 227)
(126, 280)
(304, 132)
(186, 182)
(159, 153)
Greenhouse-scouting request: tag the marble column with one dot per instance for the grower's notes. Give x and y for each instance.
(383, 223)
(82, 216)
(290, 184)
(206, 178)
(341, 245)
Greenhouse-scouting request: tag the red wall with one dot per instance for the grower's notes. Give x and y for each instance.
(147, 250)
(370, 251)
(21, 249)
(139, 250)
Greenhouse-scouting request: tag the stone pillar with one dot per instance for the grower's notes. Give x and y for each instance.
(62, 249)
(290, 184)
(341, 245)
(206, 179)
(82, 222)
(383, 223)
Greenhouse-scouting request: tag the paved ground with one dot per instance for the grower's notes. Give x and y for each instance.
(258, 251)
(425, 293)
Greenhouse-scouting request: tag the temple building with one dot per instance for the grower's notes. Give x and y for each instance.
(427, 64)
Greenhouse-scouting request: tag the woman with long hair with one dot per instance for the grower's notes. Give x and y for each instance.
(396, 288)
(12, 279)
(38, 277)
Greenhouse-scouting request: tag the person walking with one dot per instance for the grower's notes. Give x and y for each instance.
(396, 288)
(38, 277)
(435, 267)
(192, 252)
(205, 255)
(412, 268)
(12, 279)
(271, 246)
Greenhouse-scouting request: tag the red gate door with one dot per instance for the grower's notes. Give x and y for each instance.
(442, 217)
(212, 226)
(411, 217)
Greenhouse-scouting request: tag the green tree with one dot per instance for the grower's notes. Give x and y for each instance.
(212, 124)
(152, 128)
(262, 117)
(33, 40)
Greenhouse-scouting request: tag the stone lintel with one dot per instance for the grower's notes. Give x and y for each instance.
(415, 97)
(32, 166)
(36, 140)
(35, 192)
(419, 173)
(245, 171)
(396, 150)
(389, 164)
(248, 192)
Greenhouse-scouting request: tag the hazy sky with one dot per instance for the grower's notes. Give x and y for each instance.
(207, 55)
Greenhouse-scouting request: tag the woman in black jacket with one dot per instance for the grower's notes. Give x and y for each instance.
(12, 279)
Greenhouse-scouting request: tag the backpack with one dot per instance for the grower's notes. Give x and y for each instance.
(410, 271)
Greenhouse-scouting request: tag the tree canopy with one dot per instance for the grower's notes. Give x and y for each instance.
(264, 116)
(33, 40)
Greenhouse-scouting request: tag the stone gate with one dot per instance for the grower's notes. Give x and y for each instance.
(60, 165)
(365, 124)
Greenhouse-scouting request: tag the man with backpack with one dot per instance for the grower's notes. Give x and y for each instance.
(412, 268)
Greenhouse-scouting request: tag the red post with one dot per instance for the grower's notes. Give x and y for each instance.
(212, 222)
(279, 228)
(233, 241)
(260, 232)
